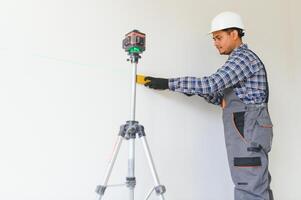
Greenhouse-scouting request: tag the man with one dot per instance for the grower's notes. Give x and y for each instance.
(240, 86)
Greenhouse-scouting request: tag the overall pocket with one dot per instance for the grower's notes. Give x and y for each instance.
(238, 119)
(263, 132)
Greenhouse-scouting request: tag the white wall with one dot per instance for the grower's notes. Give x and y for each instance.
(286, 158)
(65, 90)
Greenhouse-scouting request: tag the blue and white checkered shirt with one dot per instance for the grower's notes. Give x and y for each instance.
(243, 71)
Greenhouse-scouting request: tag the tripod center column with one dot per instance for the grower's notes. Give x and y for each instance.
(133, 100)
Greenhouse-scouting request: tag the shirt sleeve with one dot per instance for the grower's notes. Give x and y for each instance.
(236, 69)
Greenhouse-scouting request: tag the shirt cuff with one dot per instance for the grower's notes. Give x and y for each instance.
(173, 83)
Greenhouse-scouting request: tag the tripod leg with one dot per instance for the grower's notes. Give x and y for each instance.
(131, 180)
(101, 188)
(160, 189)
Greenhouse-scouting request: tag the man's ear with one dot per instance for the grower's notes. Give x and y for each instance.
(234, 34)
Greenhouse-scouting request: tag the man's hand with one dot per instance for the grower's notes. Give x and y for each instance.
(156, 83)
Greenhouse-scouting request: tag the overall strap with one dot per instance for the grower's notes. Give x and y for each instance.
(266, 77)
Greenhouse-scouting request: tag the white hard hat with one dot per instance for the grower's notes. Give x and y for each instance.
(226, 20)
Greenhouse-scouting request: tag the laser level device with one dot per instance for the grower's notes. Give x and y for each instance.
(134, 42)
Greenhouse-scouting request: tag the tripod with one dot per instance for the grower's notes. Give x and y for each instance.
(130, 131)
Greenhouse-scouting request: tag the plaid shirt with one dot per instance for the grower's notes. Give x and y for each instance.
(243, 71)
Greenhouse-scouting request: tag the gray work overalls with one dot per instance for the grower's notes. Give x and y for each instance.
(248, 136)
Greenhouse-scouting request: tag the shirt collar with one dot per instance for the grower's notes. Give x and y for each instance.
(242, 46)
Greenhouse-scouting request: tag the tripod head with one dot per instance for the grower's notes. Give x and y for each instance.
(134, 44)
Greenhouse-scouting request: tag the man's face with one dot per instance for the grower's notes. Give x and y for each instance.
(224, 41)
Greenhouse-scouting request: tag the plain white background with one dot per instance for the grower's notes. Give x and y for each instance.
(65, 89)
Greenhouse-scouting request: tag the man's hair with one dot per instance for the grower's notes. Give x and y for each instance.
(240, 32)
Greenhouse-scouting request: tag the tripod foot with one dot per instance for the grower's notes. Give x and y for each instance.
(100, 190)
(160, 189)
